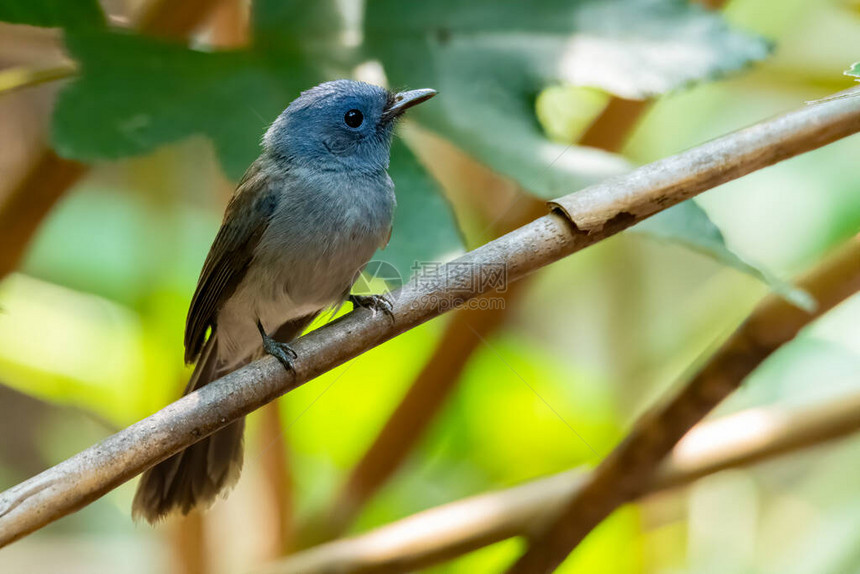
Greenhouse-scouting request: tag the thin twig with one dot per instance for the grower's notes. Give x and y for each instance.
(627, 471)
(621, 203)
(451, 530)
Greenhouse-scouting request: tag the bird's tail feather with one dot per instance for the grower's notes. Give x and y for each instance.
(194, 476)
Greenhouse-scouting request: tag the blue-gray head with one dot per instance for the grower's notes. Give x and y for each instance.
(340, 125)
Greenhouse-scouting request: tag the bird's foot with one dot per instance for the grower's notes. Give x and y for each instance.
(281, 351)
(374, 303)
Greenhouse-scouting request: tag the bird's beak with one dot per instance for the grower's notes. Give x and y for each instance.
(402, 101)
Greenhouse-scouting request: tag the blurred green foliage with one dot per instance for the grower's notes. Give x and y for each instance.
(489, 59)
(54, 13)
(94, 319)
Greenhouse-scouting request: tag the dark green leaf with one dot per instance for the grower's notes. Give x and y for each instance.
(489, 59)
(295, 27)
(688, 224)
(136, 93)
(69, 14)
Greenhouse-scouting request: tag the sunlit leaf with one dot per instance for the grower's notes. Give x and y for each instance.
(689, 225)
(136, 93)
(489, 60)
(566, 112)
(47, 340)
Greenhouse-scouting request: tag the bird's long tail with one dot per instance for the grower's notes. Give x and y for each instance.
(194, 476)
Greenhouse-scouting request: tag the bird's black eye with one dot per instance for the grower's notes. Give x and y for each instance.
(353, 118)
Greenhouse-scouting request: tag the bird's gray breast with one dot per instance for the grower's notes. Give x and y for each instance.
(326, 227)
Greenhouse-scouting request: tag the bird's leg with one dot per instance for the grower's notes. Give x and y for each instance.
(281, 351)
(374, 303)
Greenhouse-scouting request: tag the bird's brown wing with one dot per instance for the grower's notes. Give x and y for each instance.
(245, 220)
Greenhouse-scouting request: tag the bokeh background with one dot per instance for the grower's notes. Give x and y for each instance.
(91, 318)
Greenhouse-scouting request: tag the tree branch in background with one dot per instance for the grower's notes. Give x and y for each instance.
(175, 20)
(451, 530)
(28, 204)
(620, 202)
(627, 471)
(612, 128)
(50, 176)
(277, 477)
(188, 543)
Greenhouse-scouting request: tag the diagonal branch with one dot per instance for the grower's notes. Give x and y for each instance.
(612, 128)
(451, 530)
(627, 471)
(619, 203)
(28, 204)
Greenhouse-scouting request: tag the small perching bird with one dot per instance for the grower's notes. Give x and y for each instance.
(304, 221)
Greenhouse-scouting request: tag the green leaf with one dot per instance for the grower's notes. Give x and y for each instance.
(853, 70)
(424, 225)
(295, 27)
(689, 225)
(136, 93)
(490, 59)
(72, 15)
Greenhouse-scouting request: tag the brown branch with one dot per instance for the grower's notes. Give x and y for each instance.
(188, 543)
(51, 176)
(28, 204)
(626, 472)
(612, 128)
(451, 530)
(622, 202)
(278, 482)
(175, 20)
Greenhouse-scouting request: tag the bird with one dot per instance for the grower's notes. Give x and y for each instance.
(304, 220)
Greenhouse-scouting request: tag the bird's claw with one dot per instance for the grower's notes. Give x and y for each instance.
(281, 351)
(374, 303)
